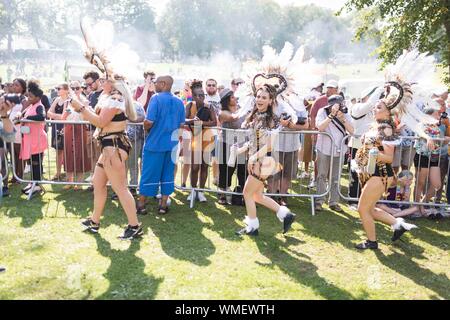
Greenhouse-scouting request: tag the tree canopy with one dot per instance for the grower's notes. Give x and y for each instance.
(400, 25)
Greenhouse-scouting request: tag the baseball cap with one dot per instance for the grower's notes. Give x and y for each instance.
(332, 84)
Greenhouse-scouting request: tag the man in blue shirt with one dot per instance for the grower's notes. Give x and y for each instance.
(164, 121)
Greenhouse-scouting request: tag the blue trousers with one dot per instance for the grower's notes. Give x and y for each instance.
(157, 172)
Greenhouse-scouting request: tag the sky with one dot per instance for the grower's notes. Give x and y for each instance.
(159, 5)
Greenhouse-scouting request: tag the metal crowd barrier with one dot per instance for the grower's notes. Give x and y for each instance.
(80, 152)
(4, 167)
(72, 147)
(223, 179)
(404, 157)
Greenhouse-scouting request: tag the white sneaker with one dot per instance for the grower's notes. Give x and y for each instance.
(304, 175)
(353, 207)
(189, 198)
(27, 169)
(312, 184)
(201, 197)
(88, 179)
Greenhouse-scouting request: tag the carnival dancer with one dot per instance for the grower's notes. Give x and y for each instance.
(115, 106)
(373, 160)
(261, 122)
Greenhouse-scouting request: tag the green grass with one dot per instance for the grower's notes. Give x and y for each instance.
(194, 254)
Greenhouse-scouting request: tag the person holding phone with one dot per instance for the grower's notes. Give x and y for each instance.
(147, 90)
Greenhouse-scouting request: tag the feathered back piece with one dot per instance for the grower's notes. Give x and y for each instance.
(98, 43)
(277, 70)
(403, 80)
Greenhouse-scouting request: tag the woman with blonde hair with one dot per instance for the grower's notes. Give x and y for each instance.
(56, 111)
(110, 118)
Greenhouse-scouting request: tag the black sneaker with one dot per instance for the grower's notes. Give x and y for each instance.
(253, 232)
(91, 225)
(439, 216)
(367, 245)
(287, 222)
(398, 233)
(2, 269)
(114, 196)
(131, 233)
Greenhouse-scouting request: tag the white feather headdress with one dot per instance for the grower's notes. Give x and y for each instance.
(404, 82)
(277, 70)
(100, 51)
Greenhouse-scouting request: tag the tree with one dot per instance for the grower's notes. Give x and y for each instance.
(424, 24)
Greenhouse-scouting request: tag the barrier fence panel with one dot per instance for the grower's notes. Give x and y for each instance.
(4, 167)
(64, 152)
(215, 160)
(422, 176)
(205, 158)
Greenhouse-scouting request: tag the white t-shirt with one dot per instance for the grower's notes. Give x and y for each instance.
(324, 142)
(214, 102)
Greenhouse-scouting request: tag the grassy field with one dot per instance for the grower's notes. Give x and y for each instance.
(194, 254)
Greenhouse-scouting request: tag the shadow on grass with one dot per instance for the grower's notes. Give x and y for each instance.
(180, 232)
(297, 266)
(29, 211)
(403, 264)
(126, 276)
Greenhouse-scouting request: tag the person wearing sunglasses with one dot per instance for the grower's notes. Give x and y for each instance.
(200, 115)
(213, 99)
(92, 82)
(55, 112)
(76, 156)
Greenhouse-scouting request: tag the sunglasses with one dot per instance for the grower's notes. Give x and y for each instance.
(75, 88)
(211, 85)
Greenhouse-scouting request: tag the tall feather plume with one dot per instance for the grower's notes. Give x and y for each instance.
(284, 64)
(101, 51)
(412, 71)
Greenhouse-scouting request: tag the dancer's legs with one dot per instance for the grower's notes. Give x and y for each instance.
(99, 182)
(115, 170)
(371, 193)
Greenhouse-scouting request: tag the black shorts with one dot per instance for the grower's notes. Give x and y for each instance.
(115, 142)
(421, 161)
(389, 170)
